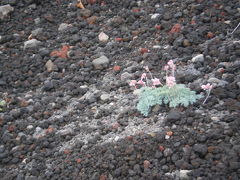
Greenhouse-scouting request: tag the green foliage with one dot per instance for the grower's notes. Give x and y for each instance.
(177, 95)
(2, 104)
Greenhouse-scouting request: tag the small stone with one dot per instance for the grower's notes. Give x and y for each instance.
(186, 43)
(92, 20)
(117, 68)
(176, 28)
(154, 16)
(105, 97)
(101, 62)
(144, 50)
(48, 86)
(210, 35)
(156, 47)
(167, 137)
(238, 83)
(44, 52)
(214, 118)
(234, 165)
(11, 2)
(173, 116)
(39, 132)
(103, 37)
(5, 10)
(29, 126)
(198, 58)
(33, 43)
(2, 83)
(85, 13)
(146, 164)
(63, 27)
(201, 149)
(65, 132)
(126, 76)
(2, 148)
(167, 152)
(37, 32)
(50, 66)
(156, 108)
(103, 177)
(178, 14)
(37, 21)
(49, 17)
(184, 174)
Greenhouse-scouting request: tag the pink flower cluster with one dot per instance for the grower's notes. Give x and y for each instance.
(170, 79)
(144, 80)
(207, 87)
(170, 73)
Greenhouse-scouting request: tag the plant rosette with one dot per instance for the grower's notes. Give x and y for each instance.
(153, 92)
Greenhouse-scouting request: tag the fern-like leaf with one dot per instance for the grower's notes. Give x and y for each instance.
(175, 96)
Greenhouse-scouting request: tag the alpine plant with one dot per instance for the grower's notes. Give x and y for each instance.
(153, 92)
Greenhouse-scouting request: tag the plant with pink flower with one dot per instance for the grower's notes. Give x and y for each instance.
(170, 81)
(154, 92)
(208, 87)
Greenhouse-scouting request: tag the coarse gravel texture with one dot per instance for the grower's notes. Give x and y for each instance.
(70, 113)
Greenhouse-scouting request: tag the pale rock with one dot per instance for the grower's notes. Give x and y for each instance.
(126, 76)
(50, 66)
(101, 62)
(33, 43)
(37, 21)
(29, 126)
(167, 137)
(137, 92)
(154, 16)
(198, 58)
(65, 132)
(63, 27)
(103, 37)
(156, 47)
(184, 174)
(214, 118)
(37, 32)
(105, 97)
(39, 132)
(238, 83)
(5, 10)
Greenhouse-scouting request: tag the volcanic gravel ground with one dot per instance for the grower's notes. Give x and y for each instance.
(70, 113)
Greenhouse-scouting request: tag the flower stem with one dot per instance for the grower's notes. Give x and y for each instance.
(208, 93)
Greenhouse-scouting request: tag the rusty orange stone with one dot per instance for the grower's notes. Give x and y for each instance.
(210, 35)
(158, 27)
(11, 128)
(117, 68)
(175, 29)
(103, 177)
(169, 133)
(135, 10)
(66, 151)
(79, 160)
(193, 22)
(92, 20)
(62, 53)
(146, 164)
(161, 148)
(49, 130)
(144, 50)
(118, 39)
